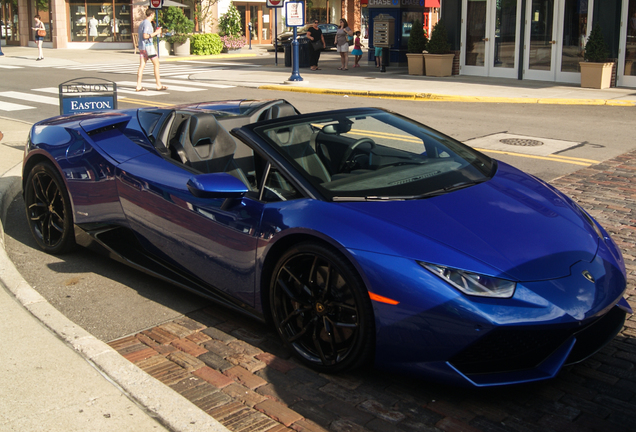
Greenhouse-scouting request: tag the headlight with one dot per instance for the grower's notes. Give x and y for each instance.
(472, 283)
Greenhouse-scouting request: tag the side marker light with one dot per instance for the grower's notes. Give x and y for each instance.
(381, 299)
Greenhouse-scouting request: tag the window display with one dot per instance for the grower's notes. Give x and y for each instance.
(100, 22)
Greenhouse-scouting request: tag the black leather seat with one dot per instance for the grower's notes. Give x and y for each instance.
(209, 147)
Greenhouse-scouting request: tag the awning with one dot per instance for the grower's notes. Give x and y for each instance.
(431, 3)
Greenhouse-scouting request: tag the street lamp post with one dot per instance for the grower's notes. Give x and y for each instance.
(295, 76)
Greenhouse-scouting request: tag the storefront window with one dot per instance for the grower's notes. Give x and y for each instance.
(317, 10)
(9, 21)
(100, 22)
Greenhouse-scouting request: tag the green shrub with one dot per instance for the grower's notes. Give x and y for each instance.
(177, 38)
(417, 39)
(205, 44)
(438, 43)
(230, 22)
(595, 48)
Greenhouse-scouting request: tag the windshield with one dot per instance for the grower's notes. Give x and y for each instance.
(375, 156)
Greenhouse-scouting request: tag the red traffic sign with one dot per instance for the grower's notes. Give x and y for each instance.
(156, 4)
(275, 3)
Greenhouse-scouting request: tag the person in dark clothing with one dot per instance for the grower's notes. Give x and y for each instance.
(314, 34)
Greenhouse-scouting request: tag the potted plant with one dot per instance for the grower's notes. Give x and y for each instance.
(179, 26)
(416, 45)
(439, 59)
(230, 30)
(596, 71)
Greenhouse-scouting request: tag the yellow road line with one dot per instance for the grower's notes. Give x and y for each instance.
(576, 159)
(144, 102)
(548, 158)
(432, 97)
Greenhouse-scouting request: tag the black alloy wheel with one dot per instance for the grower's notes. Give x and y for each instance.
(48, 210)
(321, 308)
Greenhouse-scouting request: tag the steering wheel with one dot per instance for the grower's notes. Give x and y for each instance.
(351, 148)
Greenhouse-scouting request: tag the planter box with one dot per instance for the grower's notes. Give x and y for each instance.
(416, 63)
(596, 75)
(163, 48)
(439, 65)
(183, 49)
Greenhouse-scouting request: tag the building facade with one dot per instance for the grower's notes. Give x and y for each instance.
(522, 39)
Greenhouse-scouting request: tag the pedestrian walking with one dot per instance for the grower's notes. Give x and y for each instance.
(40, 32)
(378, 57)
(342, 43)
(147, 50)
(357, 50)
(314, 34)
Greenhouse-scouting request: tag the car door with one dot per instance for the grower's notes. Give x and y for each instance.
(213, 239)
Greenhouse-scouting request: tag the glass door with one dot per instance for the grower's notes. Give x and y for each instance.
(627, 57)
(540, 52)
(574, 16)
(490, 36)
(555, 39)
(9, 22)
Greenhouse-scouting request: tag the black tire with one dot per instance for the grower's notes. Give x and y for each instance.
(48, 210)
(321, 309)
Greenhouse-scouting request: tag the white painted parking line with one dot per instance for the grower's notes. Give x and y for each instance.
(8, 106)
(28, 97)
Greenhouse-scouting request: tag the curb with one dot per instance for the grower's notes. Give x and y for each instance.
(432, 97)
(161, 402)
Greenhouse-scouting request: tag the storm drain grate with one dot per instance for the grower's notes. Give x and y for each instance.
(521, 142)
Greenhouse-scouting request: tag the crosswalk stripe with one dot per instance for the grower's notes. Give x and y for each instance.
(10, 67)
(28, 97)
(171, 88)
(196, 83)
(8, 106)
(179, 88)
(145, 93)
(52, 90)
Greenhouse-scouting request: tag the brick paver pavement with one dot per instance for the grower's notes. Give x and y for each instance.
(239, 372)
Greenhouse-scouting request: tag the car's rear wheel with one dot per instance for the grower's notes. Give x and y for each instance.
(48, 209)
(321, 308)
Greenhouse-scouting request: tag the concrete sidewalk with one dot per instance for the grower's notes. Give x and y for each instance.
(69, 380)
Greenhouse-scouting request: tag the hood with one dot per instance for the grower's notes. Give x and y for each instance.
(513, 223)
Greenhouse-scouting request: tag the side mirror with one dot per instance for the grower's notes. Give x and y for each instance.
(216, 185)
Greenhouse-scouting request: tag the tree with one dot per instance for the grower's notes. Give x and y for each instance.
(596, 49)
(417, 39)
(230, 22)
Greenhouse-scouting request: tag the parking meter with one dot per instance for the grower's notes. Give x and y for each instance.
(249, 26)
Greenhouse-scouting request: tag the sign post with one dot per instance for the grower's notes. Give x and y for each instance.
(87, 94)
(275, 4)
(295, 17)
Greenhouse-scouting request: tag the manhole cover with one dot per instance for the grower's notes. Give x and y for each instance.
(525, 142)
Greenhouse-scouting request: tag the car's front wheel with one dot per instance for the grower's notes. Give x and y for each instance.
(48, 209)
(321, 308)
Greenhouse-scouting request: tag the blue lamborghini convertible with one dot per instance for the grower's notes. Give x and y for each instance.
(364, 237)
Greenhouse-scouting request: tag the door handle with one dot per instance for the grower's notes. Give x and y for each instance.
(485, 39)
(553, 42)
